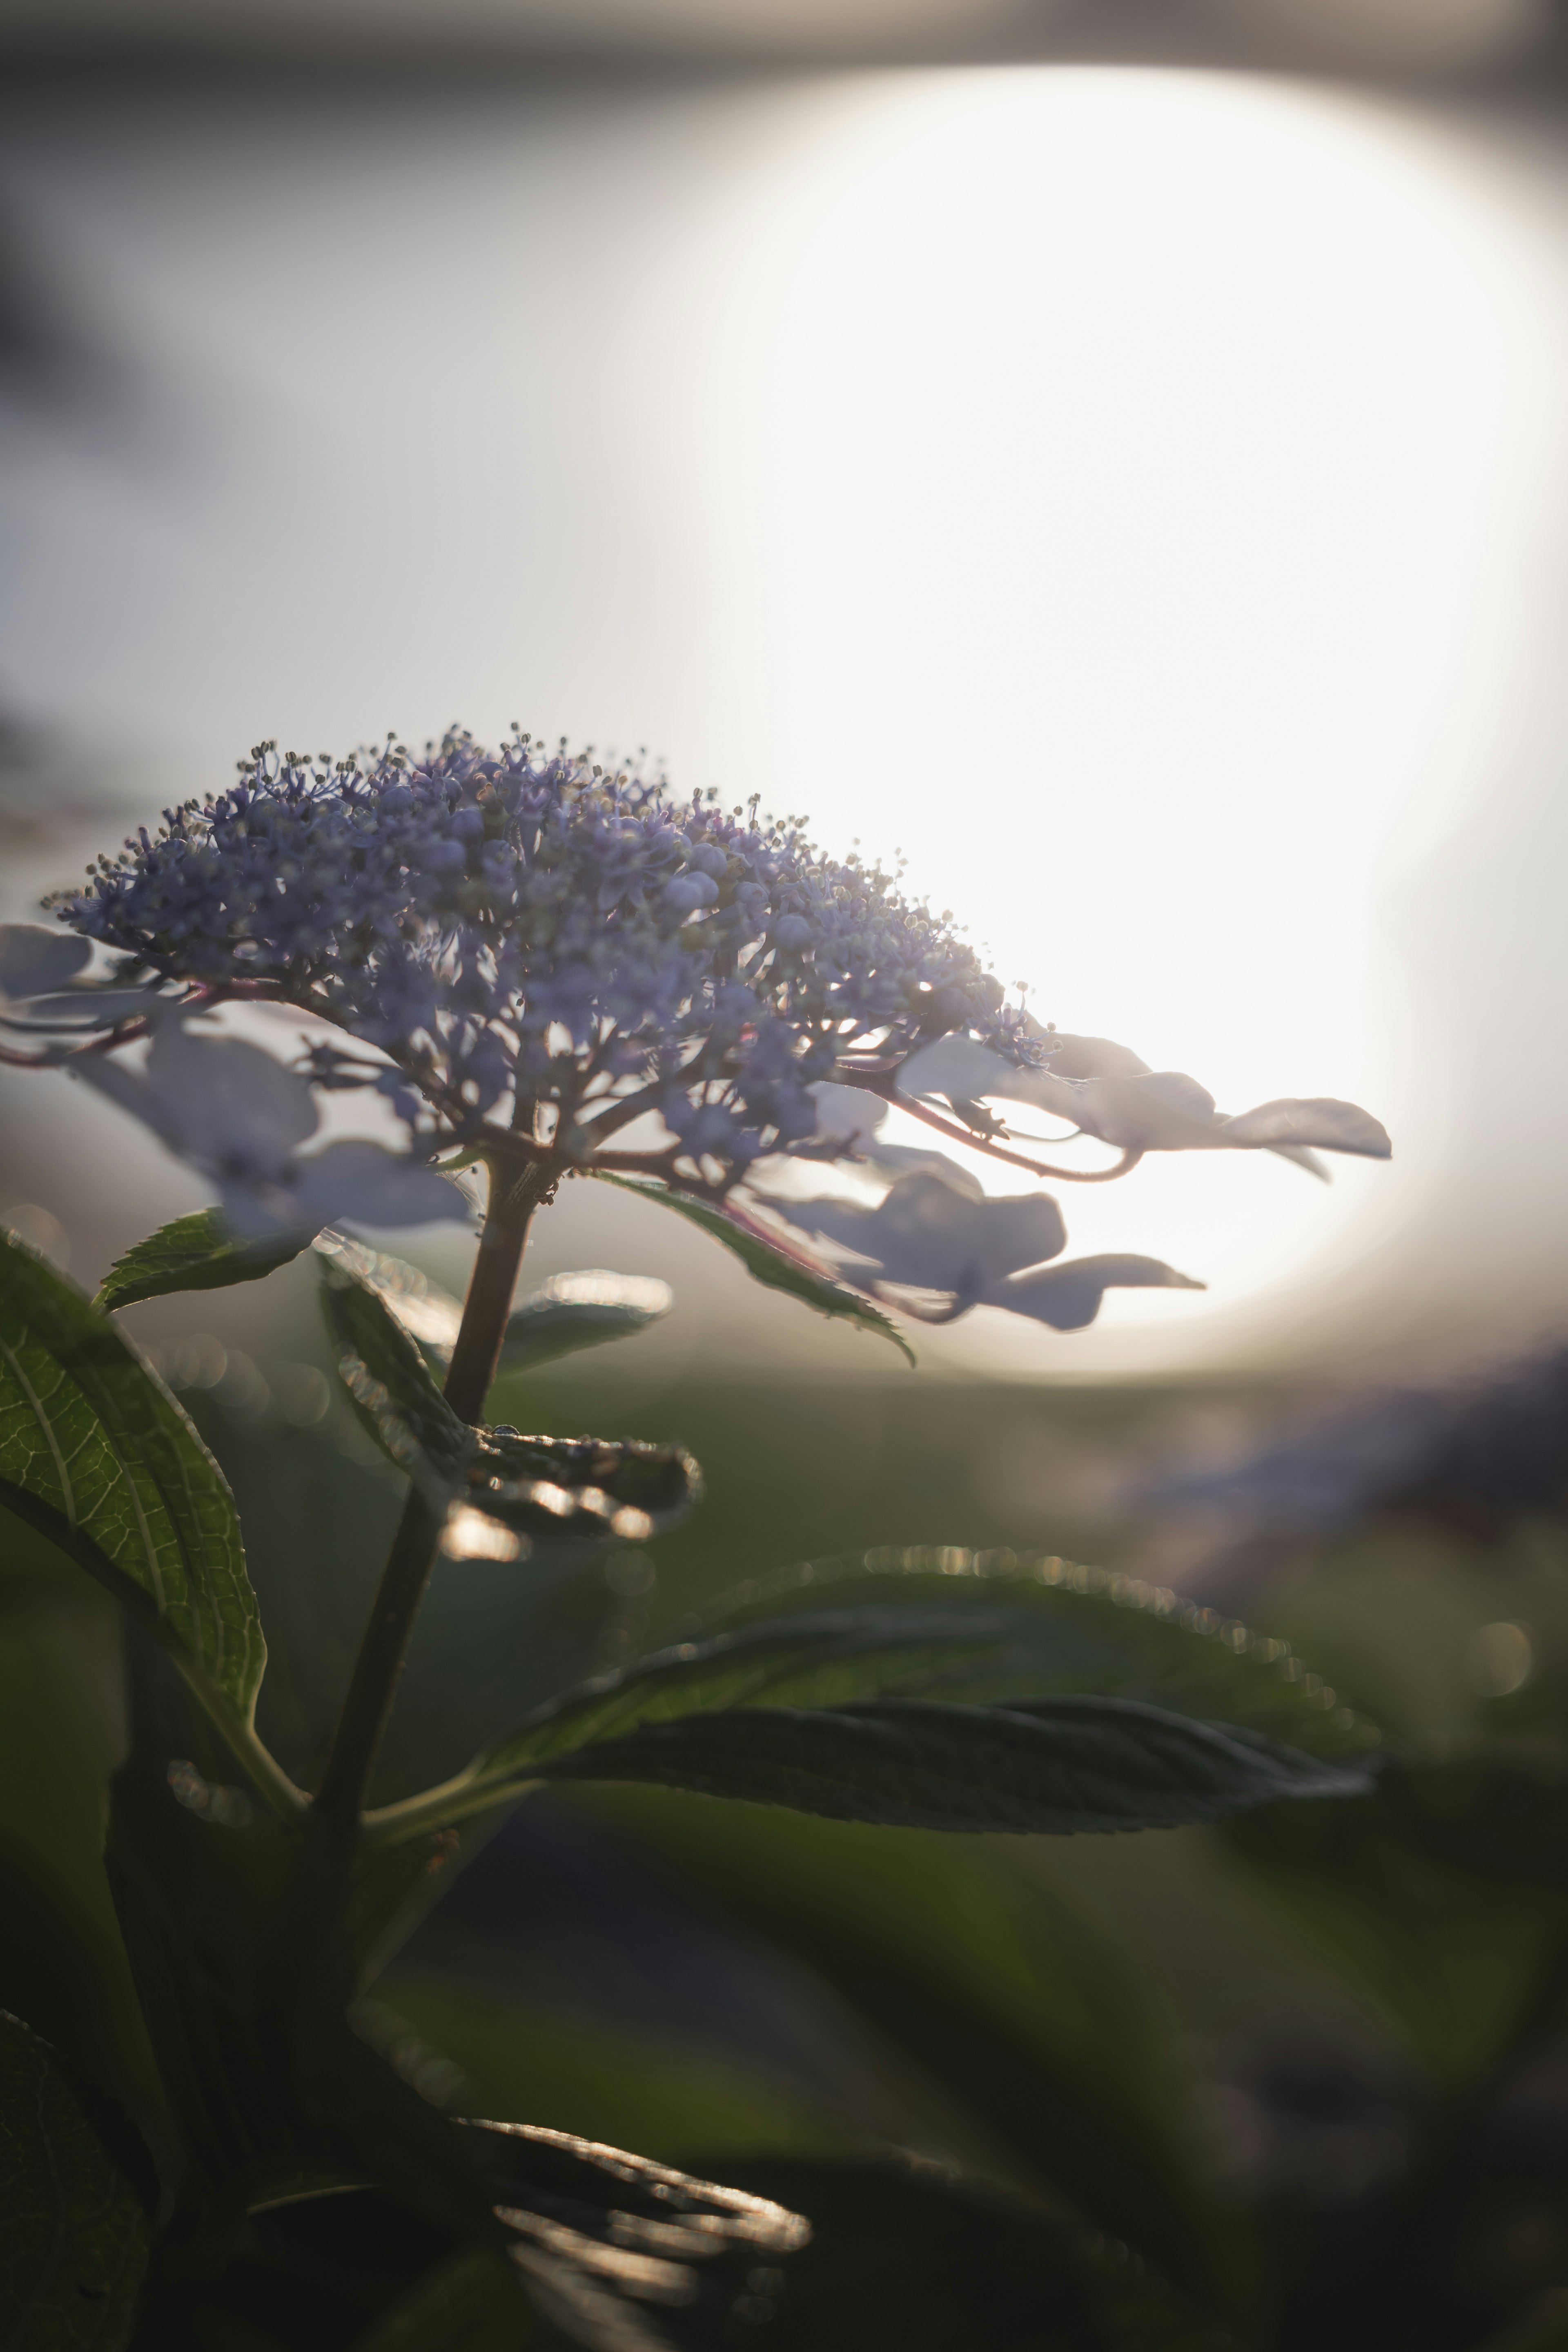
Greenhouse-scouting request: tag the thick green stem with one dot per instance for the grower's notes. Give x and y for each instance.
(378, 1669)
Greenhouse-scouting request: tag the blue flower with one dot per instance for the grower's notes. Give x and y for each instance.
(1104, 1091)
(520, 928)
(536, 960)
(231, 1111)
(934, 1232)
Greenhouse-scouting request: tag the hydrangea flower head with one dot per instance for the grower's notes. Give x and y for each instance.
(516, 927)
(557, 968)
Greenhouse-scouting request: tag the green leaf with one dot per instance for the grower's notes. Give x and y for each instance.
(391, 1387)
(95, 1452)
(1489, 1814)
(767, 1708)
(1400, 1898)
(540, 1495)
(768, 1261)
(1084, 1630)
(73, 2233)
(195, 1252)
(62, 1962)
(1054, 1766)
(567, 1312)
(469, 2302)
(571, 1311)
(1057, 1767)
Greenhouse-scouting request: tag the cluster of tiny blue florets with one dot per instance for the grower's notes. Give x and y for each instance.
(518, 923)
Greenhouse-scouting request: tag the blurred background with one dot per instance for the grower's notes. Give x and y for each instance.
(1111, 456)
(1112, 452)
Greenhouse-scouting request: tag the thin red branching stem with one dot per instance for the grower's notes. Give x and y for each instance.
(124, 1033)
(882, 1083)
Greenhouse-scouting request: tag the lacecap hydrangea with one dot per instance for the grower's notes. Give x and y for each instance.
(526, 926)
(554, 969)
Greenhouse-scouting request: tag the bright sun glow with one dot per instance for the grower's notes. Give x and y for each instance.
(1132, 492)
(1141, 455)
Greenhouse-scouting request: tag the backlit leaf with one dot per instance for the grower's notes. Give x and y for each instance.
(193, 1253)
(95, 1452)
(1073, 1629)
(1053, 1766)
(956, 1733)
(504, 1495)
(580, 1310)
(769, 1261)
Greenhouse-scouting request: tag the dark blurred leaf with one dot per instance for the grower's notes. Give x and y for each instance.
(769, 1262)
(1056, 1766)
(1394, 1892)
(1026, 2015)
(914, 2257)
(73, 2231)
(581, 2068)
(96, 1453)
(550, 1494)
(62, 1963)
(1485, 1814)
(195, 1252)
(471, 2303)
(326, 2272)
(1070, 1628)
(232, 1931)
(1544, 2328)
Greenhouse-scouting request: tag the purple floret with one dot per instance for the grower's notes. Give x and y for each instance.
(517, 924)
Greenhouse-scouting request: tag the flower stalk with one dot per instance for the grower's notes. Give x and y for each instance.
(383, 1647)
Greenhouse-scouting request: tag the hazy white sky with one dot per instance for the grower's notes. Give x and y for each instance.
(1134, 495)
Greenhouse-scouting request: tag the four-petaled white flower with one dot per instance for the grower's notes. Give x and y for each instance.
(934, 1231)
(227, 1108)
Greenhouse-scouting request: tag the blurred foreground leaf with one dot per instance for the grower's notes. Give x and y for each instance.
(469, 2302)
(599, 2235)
(1452, 1945)
(73, 2233)
(537, 2061)
(231, 1925)
(549, 1495)
(62, 1962)
(573, 1311)
(95, 1452)
(912, 2256)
